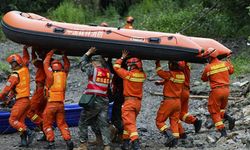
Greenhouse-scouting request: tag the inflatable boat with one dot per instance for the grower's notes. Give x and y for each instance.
(72, 115)
(76, 39)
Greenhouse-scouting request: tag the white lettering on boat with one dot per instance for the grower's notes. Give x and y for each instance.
(94, 34)
(137, 39)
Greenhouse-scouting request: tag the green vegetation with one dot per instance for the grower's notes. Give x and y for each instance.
(4, 67)
(242, 62)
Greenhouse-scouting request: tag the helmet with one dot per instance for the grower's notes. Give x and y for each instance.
(56, 65)
(181, 64)
(104, 24)
(130, 19)
(15, 58)
(212, 52)
(134, 62)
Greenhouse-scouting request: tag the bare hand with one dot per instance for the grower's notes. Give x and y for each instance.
(124, 53)
(91, 51)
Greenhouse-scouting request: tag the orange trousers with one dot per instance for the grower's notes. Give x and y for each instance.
(37, 106)
(169, 108)
(217, 103)
(184, 115)
(54, 111)
(18, 114)
(130, 110)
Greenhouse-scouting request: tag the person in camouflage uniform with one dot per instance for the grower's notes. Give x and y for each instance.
(96, 115)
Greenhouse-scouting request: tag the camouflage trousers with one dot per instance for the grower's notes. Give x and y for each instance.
(97, 118)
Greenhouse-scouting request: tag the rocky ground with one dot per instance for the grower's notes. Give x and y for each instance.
(151, 139)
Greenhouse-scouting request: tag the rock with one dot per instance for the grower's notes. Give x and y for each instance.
(197, 83)
(210, 139)
(246, 111)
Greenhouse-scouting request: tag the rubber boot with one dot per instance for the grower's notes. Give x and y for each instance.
(42, 138)
(169, 138)
(83, 146)
(183, 136)
(223, 132)
(125, 144)
(107, 147)
(231, 121)
(30, 136)
(24, 142)
(70, 145)
(173, 143)
(98, 141)
(136, 145)
(197, 125)
(51, 145)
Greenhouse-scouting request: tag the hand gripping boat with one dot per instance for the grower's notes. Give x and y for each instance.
(76, 39)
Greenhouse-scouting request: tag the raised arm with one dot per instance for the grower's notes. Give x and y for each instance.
(121, 72)
(26, 56)
(47, 68)
(161, 73)
(204, 76)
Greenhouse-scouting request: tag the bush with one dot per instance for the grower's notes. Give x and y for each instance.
(242, 62)
(70, 12)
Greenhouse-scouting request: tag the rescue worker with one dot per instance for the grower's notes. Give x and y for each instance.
(19, 82)
(218, 73)
(99, 78)
(184, 115)
(133, 80)
(170, 106)
(129, 22)
(104, 24)
(56, 78)
(38, 101)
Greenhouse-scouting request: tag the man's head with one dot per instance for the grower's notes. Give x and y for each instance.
(213, 53)
(174, 66)
(130, 19)
(56, 65)
(104, 24)
(97, 61)
(133, 63)
(15, 61)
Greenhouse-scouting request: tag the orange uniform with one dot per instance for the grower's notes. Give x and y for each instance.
(217, 73)
(38, 101)
(128, 26)
(54, 111)
(170, 107)
(184, 115)
(133, 90)
(19, 81)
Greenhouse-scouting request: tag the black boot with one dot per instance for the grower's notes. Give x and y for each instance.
(51, 145)
(173, 143)
(24, 142)
(30, 136)
(197, 125)
(183, 136)
(125, 144)
(70, 145)
(136, 145)
(223, 132)
(169, 138)
(231, 121)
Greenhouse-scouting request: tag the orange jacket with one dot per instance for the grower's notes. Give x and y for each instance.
(128, 26)
(23, 87)
(40, 74)
(174, 82)
(132, 80)
(57, 90)
(51, 77)
(10, 85)
(217, 73)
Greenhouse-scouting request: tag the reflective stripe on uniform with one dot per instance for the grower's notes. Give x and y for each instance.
(125, 132)
(177, 80)
(218, 123)
(20, 129)
(34, 117)
(217, 68)
(163, 128)
(176, 134)
(95, 91)
(158, 68)
(222, 110)
(117, 65)
(134, 134)
(185, 116)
